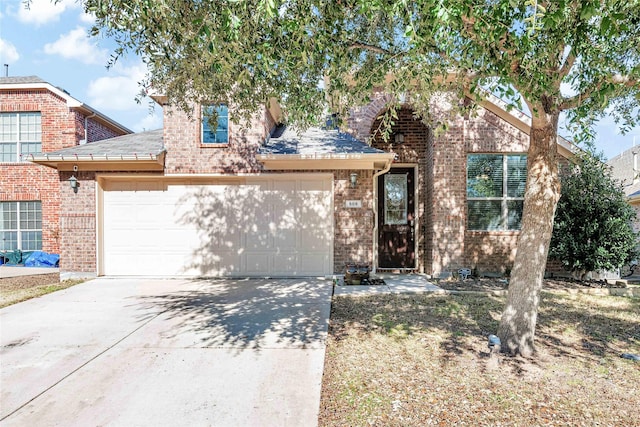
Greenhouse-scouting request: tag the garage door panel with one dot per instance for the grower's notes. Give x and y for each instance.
(261, 226)
(313, 239)
(313, 262)
(287, 263)
(257, 263)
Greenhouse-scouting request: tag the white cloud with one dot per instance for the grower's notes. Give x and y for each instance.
(115, 96)
(76, 44)
(150, 121)
(88, 18)
(8, 52)
(45, 11)
(117, 92)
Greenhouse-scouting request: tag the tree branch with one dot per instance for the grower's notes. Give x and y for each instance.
(577, 100)
(568, 64)
(372, 48)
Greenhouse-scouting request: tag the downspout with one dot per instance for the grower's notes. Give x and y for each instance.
(86, 128)
(375, 214)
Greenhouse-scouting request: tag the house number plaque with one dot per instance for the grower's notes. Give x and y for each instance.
(354, 203)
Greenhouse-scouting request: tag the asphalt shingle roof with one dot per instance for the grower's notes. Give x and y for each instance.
(140, 144)
(21, 80)
(315, 141)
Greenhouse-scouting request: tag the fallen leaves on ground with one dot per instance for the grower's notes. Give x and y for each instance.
(423, 360)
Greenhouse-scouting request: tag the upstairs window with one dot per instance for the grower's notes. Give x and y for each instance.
(495, 191)
(215, 124)
(21, 226)
(20, 135)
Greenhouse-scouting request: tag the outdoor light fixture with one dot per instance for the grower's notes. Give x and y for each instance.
(73, 182)
(398, 138)
(354, 180)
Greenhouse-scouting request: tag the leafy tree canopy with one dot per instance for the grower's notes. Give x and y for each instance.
(248, 51)
(593, 225)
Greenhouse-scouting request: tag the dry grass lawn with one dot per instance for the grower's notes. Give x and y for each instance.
(423, 360)
(17, 289)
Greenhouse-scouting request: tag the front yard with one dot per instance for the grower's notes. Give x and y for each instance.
(21, 288)
(423, 360)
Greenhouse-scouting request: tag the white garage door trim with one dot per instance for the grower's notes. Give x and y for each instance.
(275, 225)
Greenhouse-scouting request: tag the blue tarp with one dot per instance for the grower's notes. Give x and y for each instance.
(42, 259)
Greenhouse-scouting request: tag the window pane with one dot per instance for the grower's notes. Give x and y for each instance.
(395, 199)
(8, 127)
(484, 215)
(31, 240)
(8, 216)
(484, 175)
(8, 152)
(30, 215)
(8, 240)
(516, 175)
(27, 148)
(514, 214)
(30, 128)
(218, 131)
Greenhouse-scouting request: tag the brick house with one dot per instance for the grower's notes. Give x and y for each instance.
(199, 198)
(37, 117)
(625, 167)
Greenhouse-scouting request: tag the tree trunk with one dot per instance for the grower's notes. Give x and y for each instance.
(518, 322)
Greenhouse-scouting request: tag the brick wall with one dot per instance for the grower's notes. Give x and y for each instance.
(353, 231)
(186, 154)
(25, 181)
(78, 223)
(441, 156)
(491, 251)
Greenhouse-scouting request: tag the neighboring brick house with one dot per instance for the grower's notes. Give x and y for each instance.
(625, 167)
(37, 117)
(218, 199)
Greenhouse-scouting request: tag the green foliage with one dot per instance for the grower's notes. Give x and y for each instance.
(592, 229)
(249, 51)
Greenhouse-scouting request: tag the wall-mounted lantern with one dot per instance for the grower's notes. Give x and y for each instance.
(398, 138)
(73, 182)
(353, 179)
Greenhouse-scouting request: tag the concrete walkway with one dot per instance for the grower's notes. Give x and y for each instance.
(394, 284)
(134, 352)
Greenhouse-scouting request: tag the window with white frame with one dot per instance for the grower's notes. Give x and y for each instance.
(215, 124)
(21, 226)
(20, 135)
(495, 191)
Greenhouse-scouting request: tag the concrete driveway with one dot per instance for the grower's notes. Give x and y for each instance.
(136, 352)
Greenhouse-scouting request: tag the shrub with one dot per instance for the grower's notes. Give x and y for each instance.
(592, 228)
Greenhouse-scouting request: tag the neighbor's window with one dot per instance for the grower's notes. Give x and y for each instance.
(20, 135)
(21, 226)
(215, 130)
(495, 191)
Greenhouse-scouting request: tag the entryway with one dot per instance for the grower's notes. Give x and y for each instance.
(397, 219)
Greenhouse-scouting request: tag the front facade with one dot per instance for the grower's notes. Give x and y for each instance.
(625, 167)
(37, 117)
(207, 197)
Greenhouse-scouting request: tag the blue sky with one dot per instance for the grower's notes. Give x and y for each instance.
(51, 42)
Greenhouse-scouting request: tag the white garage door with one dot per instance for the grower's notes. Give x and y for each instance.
(254, 226)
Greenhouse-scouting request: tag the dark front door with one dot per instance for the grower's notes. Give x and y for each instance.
(396, 219)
